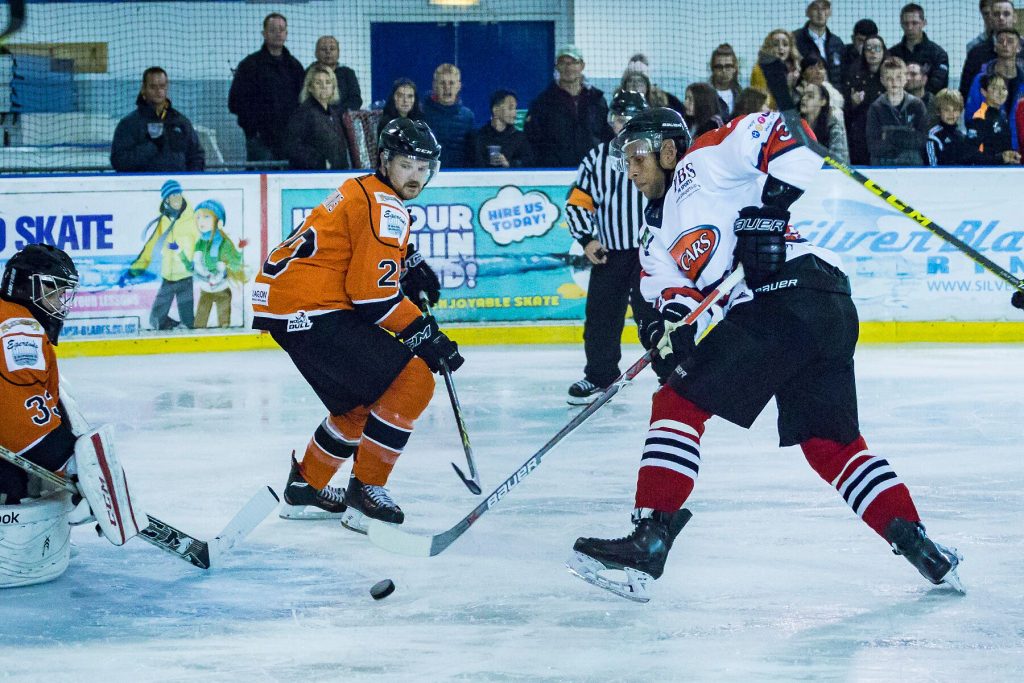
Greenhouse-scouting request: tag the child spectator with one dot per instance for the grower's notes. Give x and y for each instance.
(820, 116)
(897, 121)
(749, 101)
(946, 145)
(989, 127)
(216, 263)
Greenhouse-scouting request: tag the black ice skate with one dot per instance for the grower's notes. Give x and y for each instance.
(366, 500)
(641, 555)
(584, 392)
(303, 501)
(937, 563)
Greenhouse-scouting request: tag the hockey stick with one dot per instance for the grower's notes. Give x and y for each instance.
(472, 482)
(392, 538)
(16, 20)
(775, 75)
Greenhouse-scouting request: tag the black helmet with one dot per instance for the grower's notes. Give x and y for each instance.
(653, 126)
(627, 103)
(412, 139)
(43, 279)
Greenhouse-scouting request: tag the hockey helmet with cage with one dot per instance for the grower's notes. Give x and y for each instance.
(645, 132)
(43, 279)
(627, 104)
(414, 139)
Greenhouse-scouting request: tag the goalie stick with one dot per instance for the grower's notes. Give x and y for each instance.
(775, 76)
(391, 537)
(200, 553)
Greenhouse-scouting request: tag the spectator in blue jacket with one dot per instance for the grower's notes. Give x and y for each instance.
(155, 137)
(451, 122)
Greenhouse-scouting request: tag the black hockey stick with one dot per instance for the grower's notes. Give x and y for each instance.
(472, 482)
(202, 554)
(775, 75)
(391, 537)
(16, 20)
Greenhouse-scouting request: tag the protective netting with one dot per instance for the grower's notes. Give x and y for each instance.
(74, 69)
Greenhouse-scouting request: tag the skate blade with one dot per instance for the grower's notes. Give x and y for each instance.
(590, 570)
(306, 512)
(354, 520)
(952, 577)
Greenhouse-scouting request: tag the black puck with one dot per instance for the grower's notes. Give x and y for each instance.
(382, 589)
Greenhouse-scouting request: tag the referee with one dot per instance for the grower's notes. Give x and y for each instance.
(605, 213)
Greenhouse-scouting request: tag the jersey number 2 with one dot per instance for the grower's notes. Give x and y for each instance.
(302, 245)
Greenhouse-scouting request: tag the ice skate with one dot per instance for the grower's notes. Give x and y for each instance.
(366, 500)
(937, 563)
(303, 501)
(583, 392)
(640, 556)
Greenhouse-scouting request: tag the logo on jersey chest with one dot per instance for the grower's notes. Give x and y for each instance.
(694, 249)
(24, 352)
(394, 223)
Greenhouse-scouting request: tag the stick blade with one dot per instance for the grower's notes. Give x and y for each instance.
(471, 483)
(393, 539)
(775, 74)
(259, 507)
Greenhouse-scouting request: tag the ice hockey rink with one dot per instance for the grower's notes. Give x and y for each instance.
(774, 579)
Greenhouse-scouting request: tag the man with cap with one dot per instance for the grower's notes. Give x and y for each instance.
(176, 234)
(569, 118)
(605, 213)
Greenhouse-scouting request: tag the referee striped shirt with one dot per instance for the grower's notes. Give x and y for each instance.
(603, 204)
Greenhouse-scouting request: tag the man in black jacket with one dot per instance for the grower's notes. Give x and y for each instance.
(917, 48)
(265, 91)
(499, 143)
(1003, 16)
(815, 39)
(155, 137)
(350, 98)
(569, 118)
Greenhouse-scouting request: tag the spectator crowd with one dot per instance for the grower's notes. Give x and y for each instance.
(868, 103)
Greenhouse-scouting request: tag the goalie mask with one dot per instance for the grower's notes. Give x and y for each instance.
(645, 132)
(43, 279)
(404, 137)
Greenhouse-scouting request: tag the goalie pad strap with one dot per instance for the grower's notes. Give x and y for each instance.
(103, 484)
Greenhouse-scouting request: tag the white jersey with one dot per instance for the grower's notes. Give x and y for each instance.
(691, 251)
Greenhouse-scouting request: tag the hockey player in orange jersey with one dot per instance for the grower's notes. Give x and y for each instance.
(338, 296)
(41, 424)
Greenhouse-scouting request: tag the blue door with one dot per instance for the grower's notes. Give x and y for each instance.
(517, 55)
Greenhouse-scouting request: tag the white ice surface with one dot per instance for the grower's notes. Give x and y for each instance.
(774, 578)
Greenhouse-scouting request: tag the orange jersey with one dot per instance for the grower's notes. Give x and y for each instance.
(29, 383)
(346, 255)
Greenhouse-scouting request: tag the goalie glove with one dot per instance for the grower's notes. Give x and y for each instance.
(761, 241)
(418, 279)
(426, 340)
(1017, 299)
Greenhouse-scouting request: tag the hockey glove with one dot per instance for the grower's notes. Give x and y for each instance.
(682, 339)
(425, 340)
(761, 241)
(418, 278)
(1017, 299)
(651, 333)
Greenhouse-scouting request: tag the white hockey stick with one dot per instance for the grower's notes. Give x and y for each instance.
(393, 538)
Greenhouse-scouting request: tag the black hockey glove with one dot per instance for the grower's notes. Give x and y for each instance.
(761, 241)
(651, 333)
(427, 341)
(419, 278)
(1017, 299)
(682, 338)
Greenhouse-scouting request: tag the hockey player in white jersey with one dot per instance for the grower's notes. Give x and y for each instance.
(788, 333)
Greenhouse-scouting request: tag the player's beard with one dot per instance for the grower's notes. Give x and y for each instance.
(411, 190)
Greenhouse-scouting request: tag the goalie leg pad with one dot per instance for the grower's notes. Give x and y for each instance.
(35, 540)
(102, 482)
